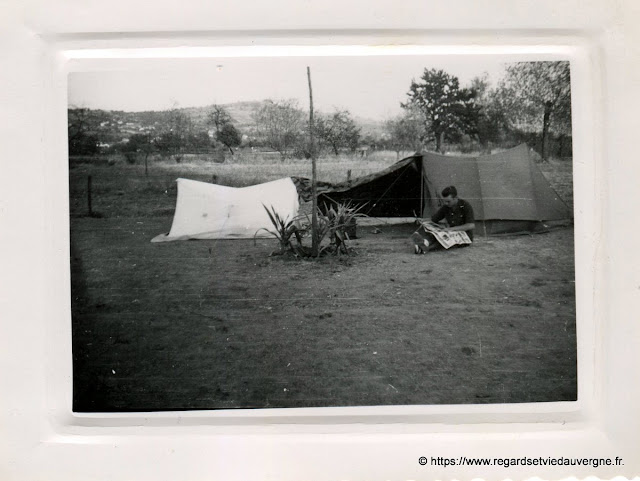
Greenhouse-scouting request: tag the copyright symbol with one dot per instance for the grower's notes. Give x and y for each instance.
(422, 460)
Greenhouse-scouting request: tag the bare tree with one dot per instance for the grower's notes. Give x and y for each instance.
(405, 132)
(280, 124)
(338, 130)
(175, 136)
(218, 117)
(537, 97)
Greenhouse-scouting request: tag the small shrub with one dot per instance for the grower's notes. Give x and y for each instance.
(131, 157)
(218, 157)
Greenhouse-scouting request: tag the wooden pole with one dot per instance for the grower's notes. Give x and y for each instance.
(314, 187)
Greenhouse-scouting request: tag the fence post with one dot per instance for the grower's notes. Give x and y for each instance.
(89, 195)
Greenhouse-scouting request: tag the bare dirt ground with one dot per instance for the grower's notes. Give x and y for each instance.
(219, 324)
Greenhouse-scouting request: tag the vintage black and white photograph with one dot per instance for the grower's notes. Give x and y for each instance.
(330, 231)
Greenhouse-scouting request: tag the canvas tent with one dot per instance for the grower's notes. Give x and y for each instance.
(210, 211)
(507, 190)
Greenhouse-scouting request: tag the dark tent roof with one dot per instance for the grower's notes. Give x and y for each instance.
(392, 192)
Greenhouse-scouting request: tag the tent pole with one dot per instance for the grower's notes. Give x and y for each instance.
(422, 188)
(314, 186)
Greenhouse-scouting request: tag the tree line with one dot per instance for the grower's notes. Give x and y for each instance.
(279, 125)
(532, 103)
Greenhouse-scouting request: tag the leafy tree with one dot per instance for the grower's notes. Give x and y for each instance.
(168, 143)
(226, 133)
(82, 129)
(279, 124)
(139, 144)
(83, 144)
(404, 132)
(338, 130)
(448, 110)
(199, 141)
(492, 124)
(537, 97)
(229, 136)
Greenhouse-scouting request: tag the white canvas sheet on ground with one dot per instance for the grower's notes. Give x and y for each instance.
(210, 211)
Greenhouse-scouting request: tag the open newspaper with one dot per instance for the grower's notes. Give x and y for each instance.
(446, 238)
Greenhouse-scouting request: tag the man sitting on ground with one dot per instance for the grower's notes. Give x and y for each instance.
(455, 215)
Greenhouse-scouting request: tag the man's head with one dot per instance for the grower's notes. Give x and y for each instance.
(450, 196)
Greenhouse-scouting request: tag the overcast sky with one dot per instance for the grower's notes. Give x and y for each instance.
(370, 86)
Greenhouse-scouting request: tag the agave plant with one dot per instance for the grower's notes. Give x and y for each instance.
(341, 218)
(283, 230)
(334, 222)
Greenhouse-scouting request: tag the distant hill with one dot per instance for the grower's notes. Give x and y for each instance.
(241, 113)
(374, 128)
(114, 125)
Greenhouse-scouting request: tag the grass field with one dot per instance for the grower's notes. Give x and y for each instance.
(123, 190)
(219, 324)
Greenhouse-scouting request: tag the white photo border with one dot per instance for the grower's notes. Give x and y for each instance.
(295, 443)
